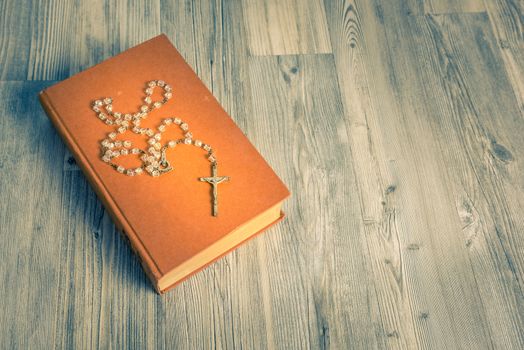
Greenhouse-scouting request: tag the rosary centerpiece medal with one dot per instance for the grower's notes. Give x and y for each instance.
(154, 160)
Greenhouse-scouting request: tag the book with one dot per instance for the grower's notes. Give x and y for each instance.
(168, 219)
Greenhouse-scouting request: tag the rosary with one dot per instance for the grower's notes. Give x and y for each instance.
(154, 158)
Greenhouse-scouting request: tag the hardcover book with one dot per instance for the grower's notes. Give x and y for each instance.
(178, 177)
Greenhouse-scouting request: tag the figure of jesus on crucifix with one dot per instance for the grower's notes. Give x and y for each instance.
(214, 180)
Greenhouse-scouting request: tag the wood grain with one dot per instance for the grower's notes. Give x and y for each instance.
(435, 7)
(298, 95)
(408, 164)
(507, 20)
(15, 46)
(479, 148)
(375, 171)
(51, 40)
(396, 124)
(276, 27)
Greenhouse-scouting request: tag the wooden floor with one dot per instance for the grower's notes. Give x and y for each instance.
(397, 124)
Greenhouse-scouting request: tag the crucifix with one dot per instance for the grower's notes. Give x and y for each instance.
(214, 180)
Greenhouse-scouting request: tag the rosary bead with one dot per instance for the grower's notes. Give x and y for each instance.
(155, 153)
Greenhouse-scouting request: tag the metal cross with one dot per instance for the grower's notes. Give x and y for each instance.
(214, 180)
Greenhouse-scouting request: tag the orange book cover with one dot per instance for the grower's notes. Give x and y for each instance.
(168, 218)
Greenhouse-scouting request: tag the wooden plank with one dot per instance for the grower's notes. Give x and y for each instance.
(435, 7)
(29, 245)
(15, 18)
(69, 280)
(276, 27)
(400, 161)
(506, 17)
(51, 40)
(476, 116)
(48, 41)
(317, 296)
(507, 20)
(354, 27)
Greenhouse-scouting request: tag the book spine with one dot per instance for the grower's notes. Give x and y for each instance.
(121, 223)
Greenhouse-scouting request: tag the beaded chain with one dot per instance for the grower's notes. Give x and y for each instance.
(154, 161)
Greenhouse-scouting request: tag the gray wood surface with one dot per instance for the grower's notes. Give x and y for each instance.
(398, 126)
